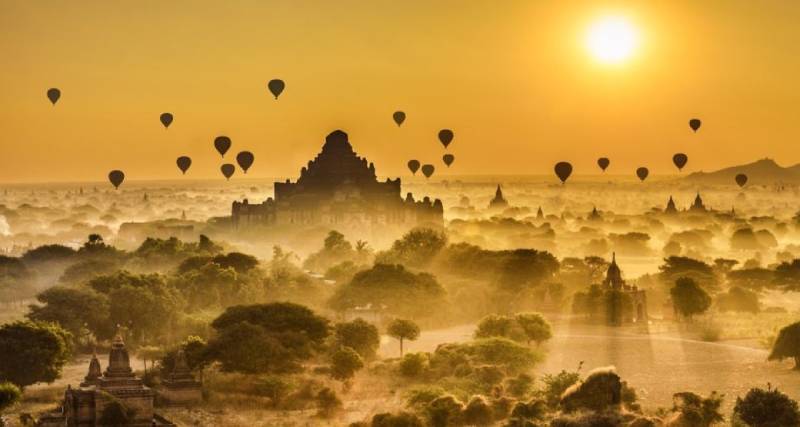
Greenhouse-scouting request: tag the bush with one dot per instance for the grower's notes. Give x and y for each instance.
(767, 408)
(418, 398)
(413, 364)
(401, 419)
(328, 403)
(360, 335)
(9, 395)
(444, 411)
(344, 363)
(556, 385)
(478, 412)
(601, 390)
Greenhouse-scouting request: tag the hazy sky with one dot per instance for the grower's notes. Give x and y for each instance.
(513, 79)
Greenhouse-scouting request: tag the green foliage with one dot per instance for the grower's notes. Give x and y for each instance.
(689, 298)
(86, 270)
(359, 335)
(472, 261)
(274, 387)
(520, 386)
(556, 385)
(478, 412)
(416, 249)
(697, 411)
(600, 391)
(48, 254)
(787, 344)
(337, 251)
(767, 408)
(401, 330)
(75, 309)
(739, 300)
(676, 267)
(419, 397)
(239, 262)
(345, 362)
(413, 364)
(9, 395)
(195, 350)
(524, 327)
(506, 354)
(32, 352)
(401, 419)
(266, 337)
(535, 327)
(534, 410)
(402, 292)
(444, 411)
(328, 403)
(787, 275)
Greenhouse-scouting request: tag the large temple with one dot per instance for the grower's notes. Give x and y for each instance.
(87, 405)
(618, 311)
(339, 189)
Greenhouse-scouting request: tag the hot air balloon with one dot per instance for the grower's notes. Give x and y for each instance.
(116, 177)
(399, 117)
(563, 171)
(222, 144)
(603, 162)
(166, 119)
(448, 159)
(741, 180)
(183, 163)
(53, 94)
(642, 173)
(445, 137)
(276, 86)
(245, 160)
(227, 170)
(680, 160)
(413, 166)
(427, 170)
(695, 124)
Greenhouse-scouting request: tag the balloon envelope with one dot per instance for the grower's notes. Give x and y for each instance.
(227, 170)
(642, 173)
(222, 144)
(166, 119)
(245, 160)
(563, 171)
(445, 137)
(427, 170)
(603, 162)
(680, 160)
(695, 124)
(183, 163)
(276, 87)
(53, 94)
(741, 179)
(413, 166)
(399, 117)
(116, 177)
(448, 159)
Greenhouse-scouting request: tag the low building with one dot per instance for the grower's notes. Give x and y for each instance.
(85, 405)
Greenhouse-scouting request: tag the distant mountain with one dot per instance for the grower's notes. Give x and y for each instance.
(761, 172)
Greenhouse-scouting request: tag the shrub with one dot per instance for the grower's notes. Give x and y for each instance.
(413, 364)
(478, 412)
(9, 395)
(444, 411)
(401, 419)
(344, 363)
(767, 408)
(601, 390)
(328, 403)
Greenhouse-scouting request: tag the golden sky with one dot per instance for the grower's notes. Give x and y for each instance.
(512, 78)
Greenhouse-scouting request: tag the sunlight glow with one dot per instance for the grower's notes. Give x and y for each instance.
(612, 39)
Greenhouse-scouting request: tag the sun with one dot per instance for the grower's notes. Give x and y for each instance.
(612, 39)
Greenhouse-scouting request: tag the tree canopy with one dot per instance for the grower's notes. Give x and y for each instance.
(32, 352)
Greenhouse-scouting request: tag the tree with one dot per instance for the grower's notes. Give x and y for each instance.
(359, 335)
(688, 298)
(75, 309)
(287, 320)
(787, 345)
(327, 403)
(536, 328)
(401, 419)
(416, 249)
(247, 348)
(9, 395)
(400, 291)
(478, 412)
(32, 352)
(676, 267)
(444, 411)
(738, 299)
(600, 391)
(344, 363)
(402, 329)
(696, 411)
(151, 353)
(240, 262)
(766, 408)
(495, 325)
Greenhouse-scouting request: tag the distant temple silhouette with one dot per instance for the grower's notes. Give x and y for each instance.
(697, 206)
(499, 202)
(339, 188)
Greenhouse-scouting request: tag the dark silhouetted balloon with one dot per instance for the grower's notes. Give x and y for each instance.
(603, 162)
(445, 137)
(53, 94)
(222, 144)
(695, 124)
(563, 171)
(116, 177)
(413, 166)
(227, 170)
(642, 173)
(166, 119)
(427, 170)
(276, 86)
(448, 159)
(399, 117)
(245, 160)
(183, 163)
(680, 160)
(741, 179)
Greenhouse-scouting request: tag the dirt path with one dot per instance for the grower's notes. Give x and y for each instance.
(656, 365)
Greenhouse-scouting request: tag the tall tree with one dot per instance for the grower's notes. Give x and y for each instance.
(688, 298)
(787, 345)
(402, 329)
(32, 352)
